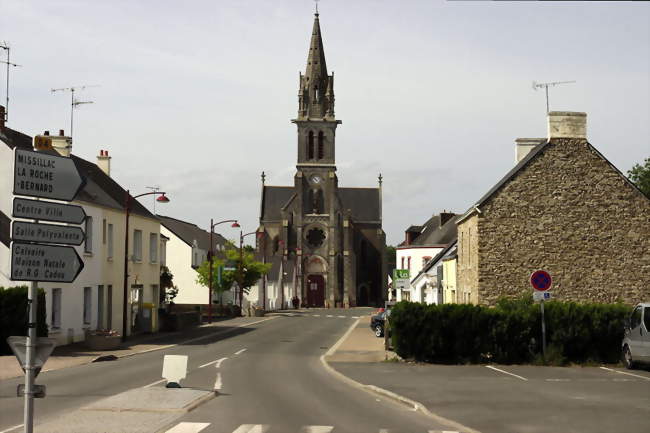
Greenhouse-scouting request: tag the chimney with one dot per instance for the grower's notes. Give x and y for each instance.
(2, 116)
(445, 216)
(104, 162)
(567, 124)
(61, 143)
(525, 145)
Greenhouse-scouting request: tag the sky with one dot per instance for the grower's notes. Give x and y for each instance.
(196, 97)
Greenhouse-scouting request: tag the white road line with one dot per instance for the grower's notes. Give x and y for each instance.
(329, 315)
(622, 372)
(217, 382)
(316, 429)
(151, 384)
(316, 315)
(558, 380)
(217, 361)
(341, 317)
(252, 428)
(240, 351)
(506, 372)
(188, 427)
(12, 428)
(355, 317)
(443, 431)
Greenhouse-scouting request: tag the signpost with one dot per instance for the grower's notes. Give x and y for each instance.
(51, 177)
(542, 282)
(48, 211)
(401, 279)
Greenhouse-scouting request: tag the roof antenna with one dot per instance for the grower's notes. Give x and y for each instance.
(154, 188)
(5, 46)
(74, 102)
(546, 86)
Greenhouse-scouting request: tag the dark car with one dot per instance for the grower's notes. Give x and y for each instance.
(377, 323)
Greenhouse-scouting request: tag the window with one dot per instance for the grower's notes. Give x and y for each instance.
(109, 307)
(310, 145)
(409, 263)
(315, 237)
(137, 245)
(56, 308)
(321, 145)
(153, 247)
(100, 307)
(425, 260)
(646, 318)
(636, 318)
(104, 231)
(402, 267)
(109, 248)
(88, 245)
(163, 252)
(87, 301)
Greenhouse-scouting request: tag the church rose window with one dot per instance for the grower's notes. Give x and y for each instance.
(315, 237)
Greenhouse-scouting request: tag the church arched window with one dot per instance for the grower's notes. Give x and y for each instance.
(310, 145)
(321, 145)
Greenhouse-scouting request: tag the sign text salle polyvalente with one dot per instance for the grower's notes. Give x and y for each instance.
(46, 176)
(47, 233)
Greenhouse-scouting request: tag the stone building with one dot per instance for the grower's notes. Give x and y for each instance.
(563, 208)
(324, 240)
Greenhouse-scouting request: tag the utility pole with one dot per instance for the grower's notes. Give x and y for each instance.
(73, 102)
(537, 85)
(5, 46)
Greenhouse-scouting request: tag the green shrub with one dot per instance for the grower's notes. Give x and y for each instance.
(508, 333)
(14, 315)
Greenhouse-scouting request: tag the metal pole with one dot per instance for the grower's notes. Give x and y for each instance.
(541, 304)
(126, 268)
(210, 275)
(241, 267)
(71, 111)
(264, 276)
(7, 99)
(547, 109)
(32, 302)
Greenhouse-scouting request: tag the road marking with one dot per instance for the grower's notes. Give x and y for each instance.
(188, 427)
(316, 315)
(151, 384)
(316, 429)
(341, 317)
(558, 380)
(506, 372)
(251, 428)
(355, 317)
(625, 372)
(12, 428)
(240, 351)
(443, 431)
(217, 361)
(329, 315)
(217, 382)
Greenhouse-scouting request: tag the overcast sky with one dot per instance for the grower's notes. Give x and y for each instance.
(197, 96)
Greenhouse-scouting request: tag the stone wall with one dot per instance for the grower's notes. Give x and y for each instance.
(573, 214)
(468, 257)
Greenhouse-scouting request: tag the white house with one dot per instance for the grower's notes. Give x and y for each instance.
(428, 285)
(187, 248)
(421, 244)
(95, 299)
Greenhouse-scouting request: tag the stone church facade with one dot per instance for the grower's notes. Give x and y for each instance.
(324, 241)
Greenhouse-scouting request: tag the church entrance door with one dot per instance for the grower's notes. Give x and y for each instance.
(315, 291)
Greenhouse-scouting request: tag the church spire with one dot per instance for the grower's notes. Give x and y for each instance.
(316, 92)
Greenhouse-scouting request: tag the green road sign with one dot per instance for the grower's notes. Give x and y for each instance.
(401, 274)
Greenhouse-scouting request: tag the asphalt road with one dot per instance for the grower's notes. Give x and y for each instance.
(520, 399)
(268, 375)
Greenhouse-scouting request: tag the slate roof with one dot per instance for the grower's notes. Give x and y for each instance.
(188, 232)
(13, 138)
(432, 233)
(363, 203)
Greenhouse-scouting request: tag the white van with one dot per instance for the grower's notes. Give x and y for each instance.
(636, 343)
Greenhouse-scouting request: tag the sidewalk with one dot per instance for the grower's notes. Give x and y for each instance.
(77, 354)
(361, 345)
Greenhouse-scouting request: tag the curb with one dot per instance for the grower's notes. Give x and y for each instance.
(372, 389)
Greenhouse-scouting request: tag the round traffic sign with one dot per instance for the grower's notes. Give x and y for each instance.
(541, 280)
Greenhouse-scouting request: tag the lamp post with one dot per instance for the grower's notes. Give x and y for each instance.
(241, 265)
(127, 203)
(235, 224)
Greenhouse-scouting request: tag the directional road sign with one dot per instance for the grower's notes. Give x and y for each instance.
(47, 263)
(48, 211)
(44, 348)
(48, 233)
(47, 176)
(541, 280)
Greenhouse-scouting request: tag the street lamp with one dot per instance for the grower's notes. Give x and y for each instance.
(127, 203)
(235, 224)
(241, 265)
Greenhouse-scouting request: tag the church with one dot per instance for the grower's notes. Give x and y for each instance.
(325, 242)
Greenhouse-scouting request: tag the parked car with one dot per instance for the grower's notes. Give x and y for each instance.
(636, 343)
(377, 323)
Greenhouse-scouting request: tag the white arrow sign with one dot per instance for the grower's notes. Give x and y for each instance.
(48, 233)
(48, 176)
(48, 211)
(47, 263)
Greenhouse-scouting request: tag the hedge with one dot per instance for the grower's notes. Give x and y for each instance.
(13, 315)
(508, 333)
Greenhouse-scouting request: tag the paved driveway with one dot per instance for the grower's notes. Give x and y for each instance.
(520, 399)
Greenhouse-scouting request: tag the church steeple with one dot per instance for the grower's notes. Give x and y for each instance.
(316, 91)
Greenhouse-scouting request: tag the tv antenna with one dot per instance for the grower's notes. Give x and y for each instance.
(5, 46)
(537, 85)
(155, 188)
(74, 102)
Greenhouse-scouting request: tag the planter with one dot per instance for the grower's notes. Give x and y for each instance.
(103, 342)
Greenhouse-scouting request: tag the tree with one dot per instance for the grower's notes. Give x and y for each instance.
(169, 290)
(248, 271)
(640, 176)
(203, 277)
(391, 258)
